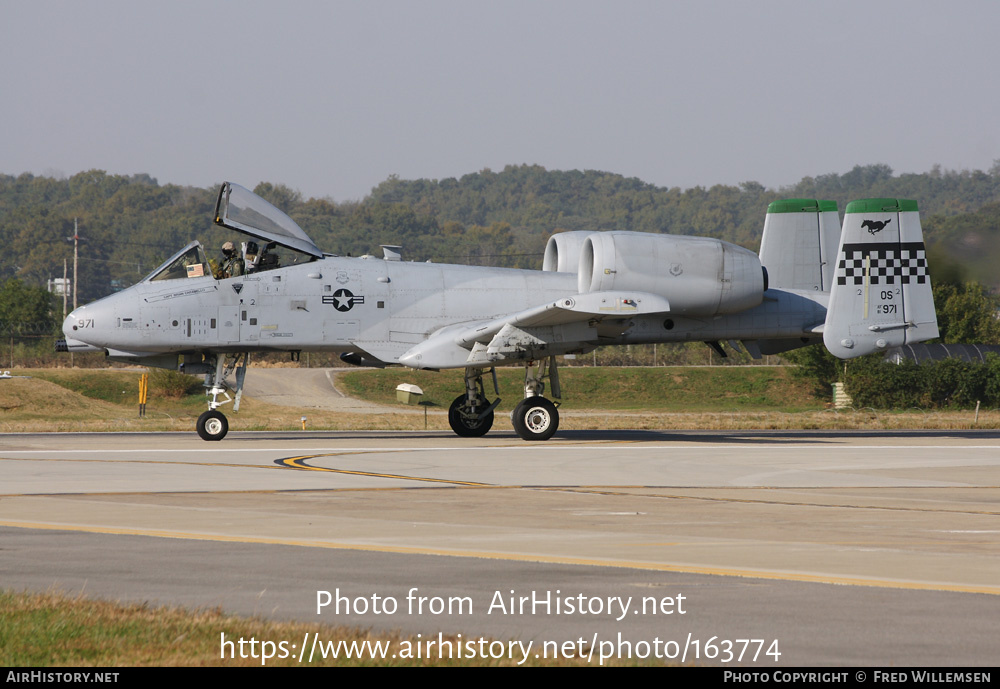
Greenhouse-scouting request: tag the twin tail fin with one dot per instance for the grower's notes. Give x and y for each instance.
(881, 293)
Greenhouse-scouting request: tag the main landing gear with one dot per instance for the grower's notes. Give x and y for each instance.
(213, 425)
(470, 415)
(534, 418)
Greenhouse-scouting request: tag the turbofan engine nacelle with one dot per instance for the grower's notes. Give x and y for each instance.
(699, 276)
(562, 251)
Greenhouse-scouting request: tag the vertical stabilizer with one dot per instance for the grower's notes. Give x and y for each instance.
(881, 296)
(799, 244)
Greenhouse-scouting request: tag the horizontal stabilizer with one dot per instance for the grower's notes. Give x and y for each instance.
(881, 296)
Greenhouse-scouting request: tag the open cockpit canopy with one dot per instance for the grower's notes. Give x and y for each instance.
(242, 210)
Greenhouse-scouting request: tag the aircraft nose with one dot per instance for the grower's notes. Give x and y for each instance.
(71, 326)
(67, 325)
(76, 340)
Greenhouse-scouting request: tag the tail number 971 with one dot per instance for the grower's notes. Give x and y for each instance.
(887, 295)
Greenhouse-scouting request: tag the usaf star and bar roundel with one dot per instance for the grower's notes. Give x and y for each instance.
(343, 299)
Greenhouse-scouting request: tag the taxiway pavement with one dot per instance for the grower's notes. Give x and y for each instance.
(847, 547)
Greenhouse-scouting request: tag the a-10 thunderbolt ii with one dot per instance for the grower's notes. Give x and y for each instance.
(859, 290)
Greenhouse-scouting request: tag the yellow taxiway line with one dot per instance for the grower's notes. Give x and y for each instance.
(524, 557)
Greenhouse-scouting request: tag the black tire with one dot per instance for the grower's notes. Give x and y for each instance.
(535, 418)
(213, 425)
(466, 425)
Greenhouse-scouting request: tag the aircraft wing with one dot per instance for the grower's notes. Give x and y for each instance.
(567, 324)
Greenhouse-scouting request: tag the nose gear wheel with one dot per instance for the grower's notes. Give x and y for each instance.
(212, 425)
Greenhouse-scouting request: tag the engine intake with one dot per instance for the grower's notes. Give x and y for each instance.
(562, 251)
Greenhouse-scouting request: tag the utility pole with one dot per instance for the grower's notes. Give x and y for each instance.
(64, 290)
(76, 255)
(76, 239)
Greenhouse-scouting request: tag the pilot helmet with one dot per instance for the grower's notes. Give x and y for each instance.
(228, 248)
(252, 249)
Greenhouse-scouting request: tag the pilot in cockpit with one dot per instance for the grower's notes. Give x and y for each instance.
(268, 257)
(233, 263)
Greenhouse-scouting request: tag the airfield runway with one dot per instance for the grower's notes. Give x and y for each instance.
(852, 548)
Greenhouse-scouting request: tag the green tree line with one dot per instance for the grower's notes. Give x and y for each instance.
(130, 224)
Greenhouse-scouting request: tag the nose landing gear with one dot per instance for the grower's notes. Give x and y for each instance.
(213, 425)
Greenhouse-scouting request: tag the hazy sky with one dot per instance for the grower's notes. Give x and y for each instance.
(332, 97)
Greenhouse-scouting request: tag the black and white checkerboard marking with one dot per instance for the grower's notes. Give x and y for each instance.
(889, 263)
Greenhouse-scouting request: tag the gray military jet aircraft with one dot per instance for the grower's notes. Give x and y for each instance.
(860, 290)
